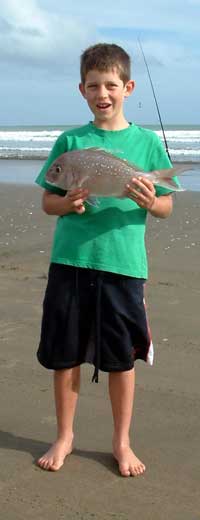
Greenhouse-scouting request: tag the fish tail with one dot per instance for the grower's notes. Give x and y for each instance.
(169, 183)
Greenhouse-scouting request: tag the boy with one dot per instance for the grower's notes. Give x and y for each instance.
(98, 263)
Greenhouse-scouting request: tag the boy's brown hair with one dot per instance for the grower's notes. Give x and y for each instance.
(103, 57)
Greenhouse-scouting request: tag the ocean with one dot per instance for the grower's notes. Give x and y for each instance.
(29, 146)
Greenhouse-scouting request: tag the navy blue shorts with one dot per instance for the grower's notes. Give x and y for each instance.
(95, 317)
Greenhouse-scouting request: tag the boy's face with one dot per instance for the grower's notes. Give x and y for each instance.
(105, 93)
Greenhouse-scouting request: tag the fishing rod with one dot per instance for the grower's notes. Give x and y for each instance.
(154, 95)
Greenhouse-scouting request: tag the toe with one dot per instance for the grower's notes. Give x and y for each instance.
(137, 470)
(124, 470)
(43, 463)
(142, 468)
(133, 471)
(40, 462)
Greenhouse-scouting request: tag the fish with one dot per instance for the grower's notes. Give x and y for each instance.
(102, 173)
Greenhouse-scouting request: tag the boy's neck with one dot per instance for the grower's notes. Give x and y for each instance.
(122, 124)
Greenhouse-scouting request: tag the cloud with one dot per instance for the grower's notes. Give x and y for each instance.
(157, 15)
(35, 38)
(31, 35)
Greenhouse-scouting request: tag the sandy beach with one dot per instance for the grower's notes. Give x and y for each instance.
(166, 425)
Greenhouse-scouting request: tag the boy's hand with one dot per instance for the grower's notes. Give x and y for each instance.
(73, 201)
(142, 191)
(76, 199)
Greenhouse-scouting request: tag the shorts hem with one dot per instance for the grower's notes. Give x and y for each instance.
(59, 366)
(107, 368)
(116, 368)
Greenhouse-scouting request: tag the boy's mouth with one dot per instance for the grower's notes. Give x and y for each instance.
(103, 106)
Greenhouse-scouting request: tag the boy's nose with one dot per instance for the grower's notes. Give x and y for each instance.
(102, 92)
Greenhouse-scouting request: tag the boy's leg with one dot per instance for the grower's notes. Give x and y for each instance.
(121, 388)
(66, 388)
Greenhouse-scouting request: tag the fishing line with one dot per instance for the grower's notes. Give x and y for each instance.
(154, 95)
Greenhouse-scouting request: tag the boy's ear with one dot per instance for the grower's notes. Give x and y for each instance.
(82, 89)
(129, 87)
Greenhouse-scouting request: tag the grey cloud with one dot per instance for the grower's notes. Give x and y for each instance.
(5, 26)
(30, 32)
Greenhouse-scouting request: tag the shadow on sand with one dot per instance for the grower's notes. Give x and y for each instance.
(10, 441)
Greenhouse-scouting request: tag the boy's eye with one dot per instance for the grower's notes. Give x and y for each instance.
(108, 86)
(111, 86)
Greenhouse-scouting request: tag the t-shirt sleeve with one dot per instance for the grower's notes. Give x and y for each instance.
(59, 147)
(160, 161)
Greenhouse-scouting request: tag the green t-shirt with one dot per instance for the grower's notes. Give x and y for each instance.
(110, 237)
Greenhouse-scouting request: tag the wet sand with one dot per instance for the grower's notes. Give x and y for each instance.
(165, 431)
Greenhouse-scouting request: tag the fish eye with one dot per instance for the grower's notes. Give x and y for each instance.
(58, 168)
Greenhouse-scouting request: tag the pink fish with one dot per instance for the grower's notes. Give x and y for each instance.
(103, 174)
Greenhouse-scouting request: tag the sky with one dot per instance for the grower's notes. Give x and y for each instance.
(41, 42)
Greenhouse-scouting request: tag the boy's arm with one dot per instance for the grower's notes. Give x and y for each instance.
(142, 191)
(72, 202)
(162, 206)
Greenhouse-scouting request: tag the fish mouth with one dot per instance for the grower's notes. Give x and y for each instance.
(50, 181)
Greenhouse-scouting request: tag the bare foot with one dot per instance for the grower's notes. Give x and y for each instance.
(129, 464)
(54, 458)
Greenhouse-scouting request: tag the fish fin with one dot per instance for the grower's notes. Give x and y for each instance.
(172, 172)
(165, 177)
(81, 182)
(112, 154)
(169, 183)
(93, 201)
